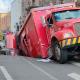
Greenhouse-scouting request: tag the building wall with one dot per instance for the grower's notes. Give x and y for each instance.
(0, 20)
(16, 13)
(69, 1)
(5, 21)
(28, 3)
(25, 4)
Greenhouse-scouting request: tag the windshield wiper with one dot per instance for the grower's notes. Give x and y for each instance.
(69, 18)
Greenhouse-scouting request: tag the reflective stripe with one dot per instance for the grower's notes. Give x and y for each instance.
(79, 40)
(68, 42)
(63, 43)
(74, 40)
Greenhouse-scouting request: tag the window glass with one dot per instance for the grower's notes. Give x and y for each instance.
(50, 21)
(64, 15)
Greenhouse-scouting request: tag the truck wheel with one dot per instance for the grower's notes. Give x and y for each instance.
(59, 54)
(50, 53)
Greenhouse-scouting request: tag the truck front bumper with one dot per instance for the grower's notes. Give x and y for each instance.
(70, 42)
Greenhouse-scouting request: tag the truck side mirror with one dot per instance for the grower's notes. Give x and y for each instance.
(43, 21)
(49, 22)
(50, 25)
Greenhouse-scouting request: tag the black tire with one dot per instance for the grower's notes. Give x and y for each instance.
(59, 54)
(21, 53)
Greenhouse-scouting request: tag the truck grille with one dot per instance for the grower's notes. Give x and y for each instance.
(77, 28)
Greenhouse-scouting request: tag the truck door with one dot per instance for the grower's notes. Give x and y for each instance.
(49, 22)
(28, 42)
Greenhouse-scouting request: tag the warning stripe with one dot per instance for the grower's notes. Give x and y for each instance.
(79, 40)
(74, 41)
(67, 42)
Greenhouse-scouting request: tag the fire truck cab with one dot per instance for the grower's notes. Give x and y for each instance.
(63, 31)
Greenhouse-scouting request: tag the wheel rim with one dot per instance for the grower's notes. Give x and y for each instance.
(57, 53)
(50, 54)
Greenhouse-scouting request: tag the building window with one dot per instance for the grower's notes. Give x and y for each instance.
(33, 1)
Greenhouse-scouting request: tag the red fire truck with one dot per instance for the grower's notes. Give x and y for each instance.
(51, 31)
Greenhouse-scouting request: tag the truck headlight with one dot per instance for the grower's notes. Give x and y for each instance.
(67, 35)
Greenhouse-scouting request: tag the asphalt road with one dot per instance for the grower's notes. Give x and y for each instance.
(24, 68)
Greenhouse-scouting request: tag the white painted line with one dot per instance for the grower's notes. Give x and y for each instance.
(5, 72)
(75, 76)
(44, 60)
(76, 64)
(42, 70)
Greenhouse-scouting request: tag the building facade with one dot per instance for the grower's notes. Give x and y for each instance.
(64, 1)
(5, 21)
(16, 13)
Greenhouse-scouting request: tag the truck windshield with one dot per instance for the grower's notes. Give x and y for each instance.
(64, 15)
